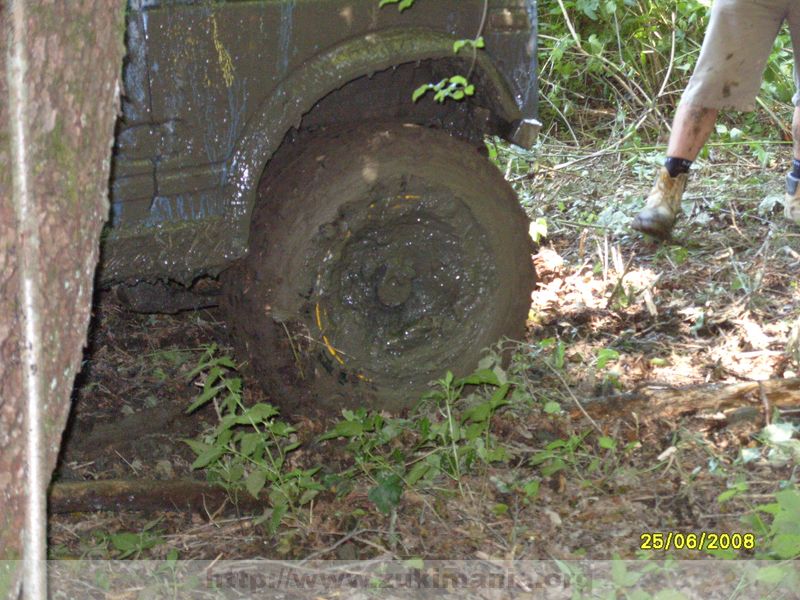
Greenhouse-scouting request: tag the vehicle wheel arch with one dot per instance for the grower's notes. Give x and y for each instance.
(331, 72)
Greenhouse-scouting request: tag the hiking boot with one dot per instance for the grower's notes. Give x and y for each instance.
(791, 201)
(662, 206)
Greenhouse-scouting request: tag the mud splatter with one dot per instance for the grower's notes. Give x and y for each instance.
(726, 88)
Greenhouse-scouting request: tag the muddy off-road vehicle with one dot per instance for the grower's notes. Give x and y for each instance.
(364, 242)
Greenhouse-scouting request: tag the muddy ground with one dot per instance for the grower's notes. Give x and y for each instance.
(623, 314)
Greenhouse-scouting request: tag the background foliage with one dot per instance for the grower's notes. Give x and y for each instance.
(617, 68)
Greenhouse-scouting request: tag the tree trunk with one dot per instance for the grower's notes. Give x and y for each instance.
(60, 65)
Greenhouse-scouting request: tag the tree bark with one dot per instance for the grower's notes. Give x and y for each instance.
(64, 59)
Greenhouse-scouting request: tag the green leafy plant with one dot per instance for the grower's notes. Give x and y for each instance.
(557, 359)
(401, 4)
(779, 539)
(372, 440)
(464, 427)
(130, 544)
(249, 447)
(454, 87)
(605, 356)
(449, 436)
(126, 544)
(738, 488)
(591, 463)
(538, 229)
(477, 44)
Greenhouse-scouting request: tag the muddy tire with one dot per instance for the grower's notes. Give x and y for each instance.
(380, 258)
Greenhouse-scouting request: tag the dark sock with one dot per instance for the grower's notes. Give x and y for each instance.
(676, 166)
(796, 168)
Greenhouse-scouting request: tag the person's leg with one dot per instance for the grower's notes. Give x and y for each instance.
(728, 73)
(791, 202)
(796, 133)
(691, 129)
(793, 20)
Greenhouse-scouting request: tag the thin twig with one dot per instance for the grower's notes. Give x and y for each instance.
(563, 118)
(615, 149)
(733, 220)
(671, 60)
(477, 35)
(614, 146)
(573, 396)
(295, 353)
(579, 225)
(775, 118)
(620, 282)
(765, 403)
(339, 542)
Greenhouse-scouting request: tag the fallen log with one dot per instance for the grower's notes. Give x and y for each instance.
(130, 427)
(146, 495)
(670, 402)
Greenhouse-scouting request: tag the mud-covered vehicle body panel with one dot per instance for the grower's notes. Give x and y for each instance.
(212, 88)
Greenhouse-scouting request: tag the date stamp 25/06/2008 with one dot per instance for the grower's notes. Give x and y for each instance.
(702, 540)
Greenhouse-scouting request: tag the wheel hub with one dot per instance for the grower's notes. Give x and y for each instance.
(395, 286)
(398, 287)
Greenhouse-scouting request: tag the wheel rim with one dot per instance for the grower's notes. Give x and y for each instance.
(403, 280)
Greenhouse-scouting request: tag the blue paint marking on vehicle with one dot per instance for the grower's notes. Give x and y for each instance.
(220, 141)
(115, 215)
(160, 211)
(135, 102)
(193, 207)
(285, 35)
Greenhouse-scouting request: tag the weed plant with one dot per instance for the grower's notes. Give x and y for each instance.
(249, 447)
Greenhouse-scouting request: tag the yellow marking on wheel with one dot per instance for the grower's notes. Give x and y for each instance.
(399, 198)
(328, 345)
(332, 350)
